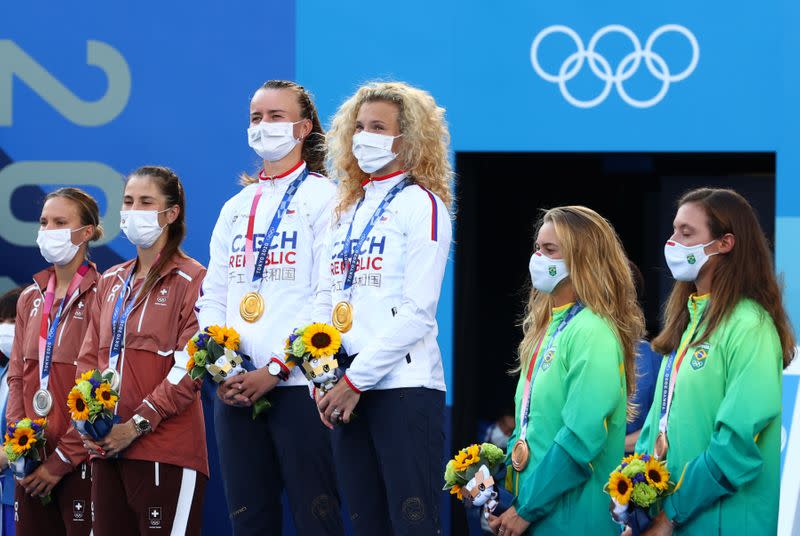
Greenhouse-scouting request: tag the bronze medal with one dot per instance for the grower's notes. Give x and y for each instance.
(661, 447)
(520, 454)
(251, 307)
(342, 318)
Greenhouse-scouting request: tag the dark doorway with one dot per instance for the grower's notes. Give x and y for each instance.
(499, 200)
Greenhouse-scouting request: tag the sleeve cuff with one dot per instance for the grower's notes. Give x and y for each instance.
(57, 466)
(703, 484)
(355, 389)
(148, 411)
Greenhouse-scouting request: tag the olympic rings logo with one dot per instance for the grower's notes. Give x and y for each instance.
(601, 68)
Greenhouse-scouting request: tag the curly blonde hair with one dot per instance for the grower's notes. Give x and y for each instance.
(423, 152)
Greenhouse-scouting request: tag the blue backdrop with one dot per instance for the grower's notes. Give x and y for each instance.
(92, 90)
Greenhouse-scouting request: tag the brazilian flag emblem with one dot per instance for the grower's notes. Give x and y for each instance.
(690, 258)
(552, 270)
(699, 358)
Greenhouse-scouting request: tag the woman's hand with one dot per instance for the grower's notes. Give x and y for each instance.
(508, 524)
(661, 526)
(338, 404)
(40, 482)
(118, 439)
(250, 386)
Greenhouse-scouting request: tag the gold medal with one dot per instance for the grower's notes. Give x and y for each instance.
(343, 316)
(251, 307)
(519, 455)
(661, 447)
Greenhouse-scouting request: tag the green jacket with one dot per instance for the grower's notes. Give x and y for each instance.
(576, 432)
(724, 427)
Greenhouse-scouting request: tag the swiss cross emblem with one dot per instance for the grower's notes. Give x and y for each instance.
(162, 297)
(163, 292)
(81, 306)
(78, 508)
(154, 516)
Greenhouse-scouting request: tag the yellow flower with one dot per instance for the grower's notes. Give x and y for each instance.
(620, 488)
(456, 490)
(656, 474)
(191, 347)
(86, 376)
(321, 340)
(629, 459)
(226, 337)
(105, 396)
(467, 457)
(24, 439)
(190, 364)
(77, 406)
(40, 422)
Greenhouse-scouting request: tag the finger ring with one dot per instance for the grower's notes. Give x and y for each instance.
(501, 531)
(336, 412)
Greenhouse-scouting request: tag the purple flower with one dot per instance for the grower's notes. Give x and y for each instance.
(624, 465)
(639, 477)
(645, 458)
(35, 427)
(202, 339)
(95, 384)
(292, 338)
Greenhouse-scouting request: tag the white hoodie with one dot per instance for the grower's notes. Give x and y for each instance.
(290, 273)
(396, 287)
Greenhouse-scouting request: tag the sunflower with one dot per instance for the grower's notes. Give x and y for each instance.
(191, 347)
(226, 337)
(321, 340)
(456, 490)
(620, 488)
(467, 457)
(632, 457)
(190, 364)
(105, 396)
(657, 475)
(78, 407)
(24, 439)
(86, 376)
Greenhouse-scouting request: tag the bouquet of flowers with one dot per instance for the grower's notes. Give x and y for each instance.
(470, 476)
(636, 488)
(91, 404)
(215, 352)
(316, 348)
(22, 441)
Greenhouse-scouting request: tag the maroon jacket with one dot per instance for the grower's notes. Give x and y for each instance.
(153, 361)
(23, 371)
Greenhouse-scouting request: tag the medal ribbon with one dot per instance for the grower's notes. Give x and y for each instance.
(670, 376)
(351, 254)
(537, 363)
(258, 269)
(47, 329)
(120, 318)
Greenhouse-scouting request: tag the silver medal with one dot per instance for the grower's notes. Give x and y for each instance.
(42, 402)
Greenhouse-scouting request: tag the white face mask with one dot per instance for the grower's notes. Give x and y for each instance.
(272, 141)
(685, 262)
(56, 245)
(6, 338)
(497, 437)
(141, 226)
(546, 273)
(373, 151)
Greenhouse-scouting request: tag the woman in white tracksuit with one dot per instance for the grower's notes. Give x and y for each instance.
(266, 251)
(387, 252)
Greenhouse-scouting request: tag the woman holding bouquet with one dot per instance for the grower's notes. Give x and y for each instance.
(266, 252)
(716, 417)
(576, 364)
(150, 471)
(52, 318)
(385, 262)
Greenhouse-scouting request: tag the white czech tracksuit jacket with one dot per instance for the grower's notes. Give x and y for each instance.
(396, 287)
(290, 273)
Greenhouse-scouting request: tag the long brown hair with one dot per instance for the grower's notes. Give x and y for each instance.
(314, 144)
(170, 187)
(746, 272)
(601, 277)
